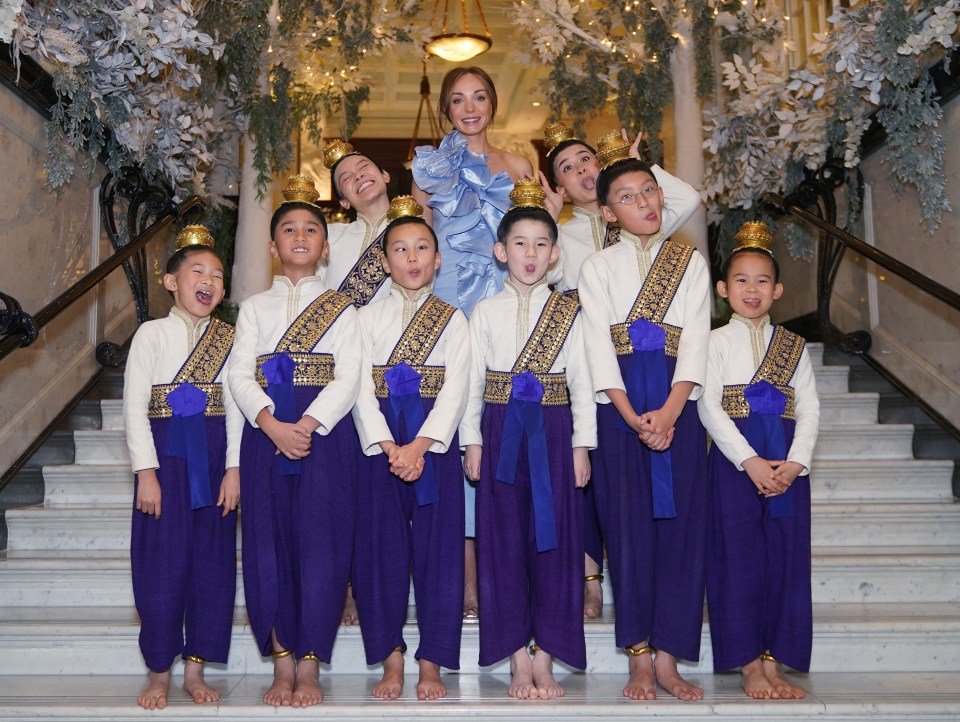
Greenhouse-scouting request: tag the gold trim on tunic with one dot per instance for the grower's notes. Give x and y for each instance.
(316, 319)
(548, 336)
(782, 358)
(661, 284)
(422, 333)
(159, 408)
(736, 406)
(367, 275)
(612, 236)
(209, 355)
(500, 386)
(431, 380)
(312, 369)
(624, 347)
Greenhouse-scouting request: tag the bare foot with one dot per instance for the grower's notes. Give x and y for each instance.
(470, 604)
(154, 695)
(783, 688)
(755, 682)
(391, 684)
(307, 692)
(592, 598)
(195, 686)
(641, 684)
(547, 687)
(521, 676)
(280, 693)
(349, 617)
(665, 666)
(429, 685)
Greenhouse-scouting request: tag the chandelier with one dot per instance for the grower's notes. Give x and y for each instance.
(457, 47)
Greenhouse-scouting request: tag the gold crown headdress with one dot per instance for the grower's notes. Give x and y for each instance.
(335, 151)
(612, 148)
(528, 193)
(300, 189)
(754, 234)
(195, 235)
(555, 134)
(403, 206)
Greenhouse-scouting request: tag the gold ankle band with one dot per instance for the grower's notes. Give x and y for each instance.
(534, 648)
(310, 657)
(593, 578)
(767, 657)
(195, 660)
(646, 649)
(281, 654)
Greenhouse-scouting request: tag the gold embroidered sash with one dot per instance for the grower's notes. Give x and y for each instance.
(612, 236)
(367, 275)
(201, 369)
(312, 369)
(548, 336)
(539, 354)
(310, 326)
(778, 367)
(415, 346)
(655, 296)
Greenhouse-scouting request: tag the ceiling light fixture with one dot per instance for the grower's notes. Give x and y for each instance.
(453, 46)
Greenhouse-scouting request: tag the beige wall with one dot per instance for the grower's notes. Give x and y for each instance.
(46, 244)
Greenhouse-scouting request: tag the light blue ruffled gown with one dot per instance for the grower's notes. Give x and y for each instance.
(468, 203)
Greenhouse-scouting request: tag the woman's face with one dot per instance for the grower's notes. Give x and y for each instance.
(469, 106)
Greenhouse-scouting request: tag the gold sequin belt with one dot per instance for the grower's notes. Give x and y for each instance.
(312, 369)
(500, 385)
(160, 409)
(624, 347)
(736, 406)
(430, 382)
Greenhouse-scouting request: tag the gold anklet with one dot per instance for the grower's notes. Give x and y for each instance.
(767, 657)
(195, 660)
(646, 649)
(281, 654)
(534, 648)
(593, 578)
(402, 649)
(310, 657)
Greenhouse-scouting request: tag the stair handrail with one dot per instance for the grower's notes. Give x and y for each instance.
(19, 329)
(816, 192)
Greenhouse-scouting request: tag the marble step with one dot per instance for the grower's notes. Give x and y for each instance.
(111, 411)
(840, 575)
(834, 524)
(909, 480)
(831, 697)
(859, 441)
(831, 379)
(833, 479)
(816, 353)
(847, 638)
(836, 440)
(848, 408)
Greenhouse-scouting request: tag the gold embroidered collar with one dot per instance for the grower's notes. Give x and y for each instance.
(370, 230)
(410, 305)
(757, 332)
(194, 331)
(598, 225)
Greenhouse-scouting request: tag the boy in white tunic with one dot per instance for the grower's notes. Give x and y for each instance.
(412, 398)
(183, 432)
(760, 406)
(529, 425)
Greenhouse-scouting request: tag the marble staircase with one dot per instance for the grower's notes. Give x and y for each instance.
(886, 585)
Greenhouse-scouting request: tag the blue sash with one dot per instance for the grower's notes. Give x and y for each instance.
(278, 372)
(187, 439)
(405, 403)
(525, 418)
(766, 435)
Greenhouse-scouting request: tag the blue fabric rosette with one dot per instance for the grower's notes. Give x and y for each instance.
(766, 435)
(647, 384)
(468, 203)
(405, 403)
(278, 371)
(525, 418)
(187, 439)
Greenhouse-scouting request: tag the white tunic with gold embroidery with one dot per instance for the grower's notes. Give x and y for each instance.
(157, 352)
(584, 233)
(347, 242)
(736, 351)
(263, 320)
(609, 283)
(499, 328)
(382, 323)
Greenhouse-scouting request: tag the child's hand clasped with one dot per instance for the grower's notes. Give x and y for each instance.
(763, 474)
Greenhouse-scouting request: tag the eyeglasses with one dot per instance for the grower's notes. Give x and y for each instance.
(630, 199)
